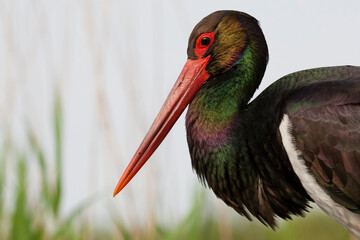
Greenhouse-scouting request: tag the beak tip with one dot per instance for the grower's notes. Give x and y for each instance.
(116, 191)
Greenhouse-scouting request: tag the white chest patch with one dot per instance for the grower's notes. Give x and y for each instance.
(348, 219)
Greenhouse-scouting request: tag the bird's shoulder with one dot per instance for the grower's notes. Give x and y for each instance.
(307, 89)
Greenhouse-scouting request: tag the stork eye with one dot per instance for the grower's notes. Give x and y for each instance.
(205, 41)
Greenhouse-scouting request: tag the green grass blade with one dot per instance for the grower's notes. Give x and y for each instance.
(21, 220)
(58, 153)
(3, 164)
(39, 154)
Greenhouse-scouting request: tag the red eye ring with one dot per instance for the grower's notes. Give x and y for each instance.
(203, 43)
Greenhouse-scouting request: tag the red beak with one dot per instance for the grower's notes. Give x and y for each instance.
(187, 85)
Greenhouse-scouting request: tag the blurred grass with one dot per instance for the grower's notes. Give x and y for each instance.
(197, 226)
(41, 219)
(35, 215)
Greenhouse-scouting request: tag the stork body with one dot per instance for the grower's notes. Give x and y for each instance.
(298, 141)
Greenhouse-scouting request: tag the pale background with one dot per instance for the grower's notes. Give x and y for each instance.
(114, 63)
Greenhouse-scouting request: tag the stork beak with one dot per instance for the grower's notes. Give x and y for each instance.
(187, 85)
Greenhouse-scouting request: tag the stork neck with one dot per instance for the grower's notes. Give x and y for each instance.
(221, 97)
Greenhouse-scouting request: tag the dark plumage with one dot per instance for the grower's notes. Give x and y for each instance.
(298, 141)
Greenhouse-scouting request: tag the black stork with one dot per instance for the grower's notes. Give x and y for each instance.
(298, 141)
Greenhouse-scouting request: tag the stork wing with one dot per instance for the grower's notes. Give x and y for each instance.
(325, 117)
